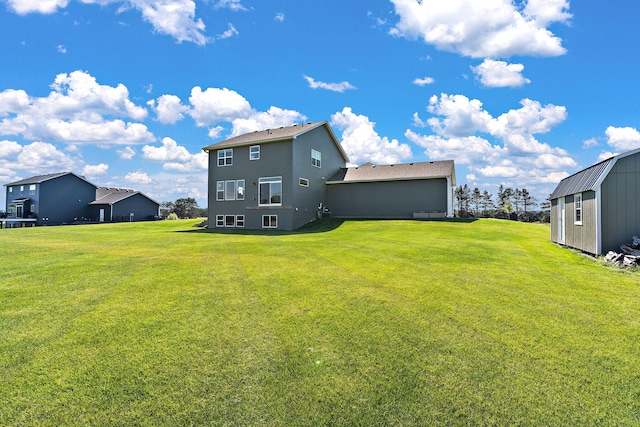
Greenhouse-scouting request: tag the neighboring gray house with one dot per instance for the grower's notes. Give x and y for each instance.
(596, 210)
(64, 198)
(121, 204)
(287, 177)
(56, 198)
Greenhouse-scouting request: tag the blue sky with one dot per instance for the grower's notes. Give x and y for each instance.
(128, 92)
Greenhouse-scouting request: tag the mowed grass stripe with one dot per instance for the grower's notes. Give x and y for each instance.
(360, 323)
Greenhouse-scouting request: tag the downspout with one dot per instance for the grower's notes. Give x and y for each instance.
(449, 198)
(599, 220)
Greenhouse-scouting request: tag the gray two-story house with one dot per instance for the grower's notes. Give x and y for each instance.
(65, 198)
(287, 177)
(56, 198)
(273, 178)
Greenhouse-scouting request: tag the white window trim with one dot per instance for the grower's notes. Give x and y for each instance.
(240, 195)
(270, 180)
(270, 217)
(239, 221)
(220, 193)
(316, 158)
(303, 182)
(251, 152)
(224, 154)
(219, 220)
(577, 207)
(232, 191)
(32, 190)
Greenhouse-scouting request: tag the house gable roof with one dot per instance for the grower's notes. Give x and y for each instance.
(403, 171)
(110, 195)
(38, 179)
(588, 179)
(284, 133)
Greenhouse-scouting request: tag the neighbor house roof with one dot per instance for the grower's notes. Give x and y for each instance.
(588, 179)
(41, 178)
(402, 171)
(284, 133)
(111, 195)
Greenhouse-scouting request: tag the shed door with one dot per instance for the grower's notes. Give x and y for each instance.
(561, 222)
(101, 215)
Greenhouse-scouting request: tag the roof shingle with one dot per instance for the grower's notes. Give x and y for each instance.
(402, 171)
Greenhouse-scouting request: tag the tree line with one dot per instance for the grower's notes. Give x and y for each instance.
(510, 203)
(182, 208)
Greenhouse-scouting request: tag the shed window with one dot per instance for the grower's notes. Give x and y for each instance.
(577, 205)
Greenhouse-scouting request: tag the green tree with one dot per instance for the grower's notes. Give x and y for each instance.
(185, 207)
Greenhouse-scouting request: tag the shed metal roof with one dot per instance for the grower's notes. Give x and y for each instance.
(585, 180)
(110, 195)
(402, 171)
(283, 133)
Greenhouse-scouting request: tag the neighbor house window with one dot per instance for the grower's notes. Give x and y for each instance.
(220, 190)
(270, 191)
(230, 190)
(240, 189)
(577, 205)
(33, 207)
(21, 190)
(303, 182)
(10, 191)
(316, 157)
(32, 189)
(269, 221)
(254, 152)
(225, 157)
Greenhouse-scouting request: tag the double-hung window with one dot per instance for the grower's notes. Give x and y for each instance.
(32, 190)
(11, 191)
(270, 191)
(577, 209)
(230, 190)
(254, 152)
(229, 220)
(22, 190)
(225, 157)
(316, 158)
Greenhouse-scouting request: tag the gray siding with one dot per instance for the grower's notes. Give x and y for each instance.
(275, 160)
(387, 199)
(621, 203)
(581, 236)
(64, 199)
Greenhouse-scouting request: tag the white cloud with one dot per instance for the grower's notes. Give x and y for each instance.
(175, 18)
(137, 178)
(363, 144)
(168, 108)
(591, 142)
(460, 132)
(176, 157)
(126, 153)
(234, 5)
(215, 132)
(334, 87)
(76, 111)
(9, 149)
(604, 155)
(424, 81)
(623, 139)
(22, 7)
(500, 74)
(170, 150)
(95, 170)
(273, 118)
(39, 157)
(61, 49)
(231, 31)
(483, 29)
(217, 105)
(279, 17)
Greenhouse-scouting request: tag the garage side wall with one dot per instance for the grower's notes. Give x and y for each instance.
(388, 199)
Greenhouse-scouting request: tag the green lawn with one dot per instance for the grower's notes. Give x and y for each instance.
(361, 323)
